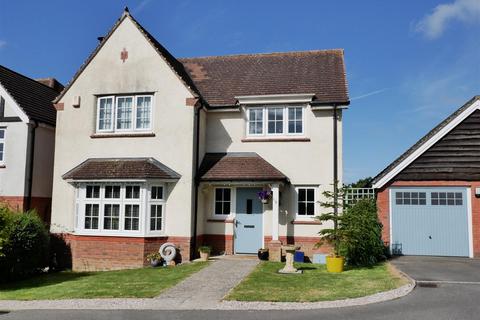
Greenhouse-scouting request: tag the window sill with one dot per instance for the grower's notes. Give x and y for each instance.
(276, 139)
(221, 220)
(123, 135)
(84, 233)
(306, 222)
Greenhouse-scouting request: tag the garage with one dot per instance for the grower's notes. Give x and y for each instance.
(428, 199)
(430, 221)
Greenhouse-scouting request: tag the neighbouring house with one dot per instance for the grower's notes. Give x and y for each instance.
(429, 198)
(27, 141)
(153, 149)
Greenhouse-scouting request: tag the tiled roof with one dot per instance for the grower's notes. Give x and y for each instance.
(33, 97)
(217, 80)
(238, 166)
(121, 168)
(220, 79)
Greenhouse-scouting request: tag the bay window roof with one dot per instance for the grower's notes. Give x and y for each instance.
(121, 168)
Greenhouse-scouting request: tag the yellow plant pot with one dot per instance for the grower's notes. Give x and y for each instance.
(335, 264)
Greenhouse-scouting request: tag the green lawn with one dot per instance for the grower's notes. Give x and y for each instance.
(136, 283)
(315, 284)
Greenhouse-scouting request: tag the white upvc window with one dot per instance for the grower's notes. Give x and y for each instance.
(222, 202)
(306, 201)
(275, 120)
(255, 121)
(120, 209)
(124, 113)
(157, 208)
(2, 145)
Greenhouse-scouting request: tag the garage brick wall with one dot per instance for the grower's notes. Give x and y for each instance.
(383, 204)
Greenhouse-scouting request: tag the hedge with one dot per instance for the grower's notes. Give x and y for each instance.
(24, 244)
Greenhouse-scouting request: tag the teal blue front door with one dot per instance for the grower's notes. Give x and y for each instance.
(248, 221)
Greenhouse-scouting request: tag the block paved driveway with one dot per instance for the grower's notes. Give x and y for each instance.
(440, 269)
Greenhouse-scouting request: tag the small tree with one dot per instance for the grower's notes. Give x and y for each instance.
(334, 202)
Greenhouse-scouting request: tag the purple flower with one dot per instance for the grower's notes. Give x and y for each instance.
(264, 194)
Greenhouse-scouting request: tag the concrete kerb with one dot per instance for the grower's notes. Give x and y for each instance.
(156, 304)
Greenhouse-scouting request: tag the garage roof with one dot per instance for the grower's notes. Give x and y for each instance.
(426, 142)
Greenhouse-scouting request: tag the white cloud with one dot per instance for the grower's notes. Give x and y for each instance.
(365, 95)
(433, 24)
(142, 5)
(2, 43)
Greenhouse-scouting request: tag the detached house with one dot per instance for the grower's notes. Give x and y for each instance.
(153, 149)
(27, 140)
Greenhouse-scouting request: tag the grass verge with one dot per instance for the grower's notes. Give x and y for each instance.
(134, 283)
(315, 284)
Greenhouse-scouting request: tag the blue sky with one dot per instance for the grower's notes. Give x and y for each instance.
(409, 63)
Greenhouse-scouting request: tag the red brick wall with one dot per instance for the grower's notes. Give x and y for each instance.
(220, 243)
(42, 205)
(384, 210)
(14, 203)
(91, 253)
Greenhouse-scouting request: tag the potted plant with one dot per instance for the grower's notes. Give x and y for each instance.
(264, 195)
(263, 254)
(335, 235)
(155, 259)
(204, 252)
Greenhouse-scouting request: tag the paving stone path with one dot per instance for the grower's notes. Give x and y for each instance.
(206, 288)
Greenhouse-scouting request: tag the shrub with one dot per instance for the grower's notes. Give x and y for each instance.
(60, 253)
(25, 244)
(362, 243)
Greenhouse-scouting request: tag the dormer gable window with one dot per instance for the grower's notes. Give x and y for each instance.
(275, 120)
(124, 113)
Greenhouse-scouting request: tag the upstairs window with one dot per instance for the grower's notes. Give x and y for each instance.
(275, 121)
(124, 113)
(2, 146)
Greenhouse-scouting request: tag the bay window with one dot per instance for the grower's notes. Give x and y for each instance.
(275, 121)
(123, 208)
(124, 113)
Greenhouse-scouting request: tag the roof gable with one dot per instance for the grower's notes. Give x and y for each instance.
(222, 78)
(174, 65)
(424, 147)
(33, 98)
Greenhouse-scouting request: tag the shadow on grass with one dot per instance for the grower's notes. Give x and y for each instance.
(42, 280)
(306, 268)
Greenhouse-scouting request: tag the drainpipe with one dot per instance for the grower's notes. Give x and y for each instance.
(197, 181)
(32, 129)
(335, 168)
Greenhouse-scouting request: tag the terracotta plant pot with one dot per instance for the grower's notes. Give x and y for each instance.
(204, 256)
(335, 264)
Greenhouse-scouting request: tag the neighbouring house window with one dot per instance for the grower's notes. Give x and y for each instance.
(124, 113)
(411, 198)
(223, 201)
(447, 199)
(2, 146)
(305, 201)
(156, 208)
(120, 208)
(255, 121)
(275, 121)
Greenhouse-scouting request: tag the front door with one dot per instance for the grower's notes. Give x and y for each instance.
(248, 221)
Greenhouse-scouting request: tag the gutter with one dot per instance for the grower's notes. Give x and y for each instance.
(28, 202)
